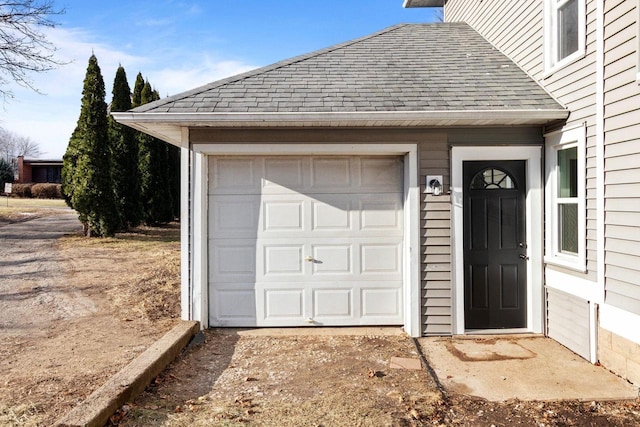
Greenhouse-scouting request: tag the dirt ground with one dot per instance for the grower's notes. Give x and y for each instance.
(234, 380)
(76, 310)
(104, 301)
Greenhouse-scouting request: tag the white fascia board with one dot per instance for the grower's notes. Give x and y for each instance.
(459, 117)
(167, 126)
(423, 3)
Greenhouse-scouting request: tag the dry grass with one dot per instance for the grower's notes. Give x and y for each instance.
(24, 415)
(115, 297)
(15, 209)
(15, 202)
(146, 270)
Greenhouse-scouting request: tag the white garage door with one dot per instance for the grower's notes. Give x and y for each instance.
(295, 241)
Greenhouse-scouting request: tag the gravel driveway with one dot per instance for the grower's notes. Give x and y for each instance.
(30, 273)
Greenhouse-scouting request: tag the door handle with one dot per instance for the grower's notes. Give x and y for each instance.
(309, 259)
(524, 257)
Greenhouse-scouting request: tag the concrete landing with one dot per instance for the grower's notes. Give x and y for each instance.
(526, 368)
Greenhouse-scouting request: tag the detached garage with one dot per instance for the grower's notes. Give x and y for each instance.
(328, 190)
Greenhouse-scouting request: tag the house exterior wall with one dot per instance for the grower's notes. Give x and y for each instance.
(39, 171)
(568, 321)
(601, 89)
(622, 155)
(517, 29)
(24, 171)
(434, 147)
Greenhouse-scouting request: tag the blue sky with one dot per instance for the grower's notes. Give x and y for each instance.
(179, 45)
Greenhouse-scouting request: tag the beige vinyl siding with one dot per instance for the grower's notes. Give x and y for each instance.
(622, 156)
(568, 321)
(516, 28)
(575, 87)
(435, 220)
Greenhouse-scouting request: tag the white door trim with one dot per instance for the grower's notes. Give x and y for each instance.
(534, 230)
(411, 255)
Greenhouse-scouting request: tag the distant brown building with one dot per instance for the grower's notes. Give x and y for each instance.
(39, 170)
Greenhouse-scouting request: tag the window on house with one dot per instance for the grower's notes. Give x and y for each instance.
(565, 199)
(492, 179)
(564, 31)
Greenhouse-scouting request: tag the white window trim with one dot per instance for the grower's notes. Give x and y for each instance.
(550, 36)
(574, 137)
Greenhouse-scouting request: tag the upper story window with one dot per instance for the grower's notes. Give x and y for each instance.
(564, 32)
(565, 199)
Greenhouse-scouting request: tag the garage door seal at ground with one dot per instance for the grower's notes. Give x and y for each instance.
(520, 367)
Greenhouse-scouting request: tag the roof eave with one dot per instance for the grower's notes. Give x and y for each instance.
(168, 126)
(423, 3)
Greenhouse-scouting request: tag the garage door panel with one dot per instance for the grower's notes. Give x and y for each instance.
(332, 259)
(331, 215)
(234, 176)
(282, 259)
(232, 260)
(380, 302)
(330, 174)
(234, 306)
(381, 214)
(282, 215)
(381, 259)
(283, 174)
(332, 303)
(283, 304)
(380, 174)
(303, 239)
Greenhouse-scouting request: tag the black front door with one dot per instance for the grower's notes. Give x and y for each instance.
(495, 261)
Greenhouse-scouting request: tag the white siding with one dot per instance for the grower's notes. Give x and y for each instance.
(622, 156)
(568, 321)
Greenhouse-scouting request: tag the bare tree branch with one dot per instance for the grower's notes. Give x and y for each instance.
(24, 49)
(13, 145)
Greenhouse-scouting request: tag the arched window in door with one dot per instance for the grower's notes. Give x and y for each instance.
(492, 179)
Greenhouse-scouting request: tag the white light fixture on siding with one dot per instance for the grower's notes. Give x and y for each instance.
(434, 184)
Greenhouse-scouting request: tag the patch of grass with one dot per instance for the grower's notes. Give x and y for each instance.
(15, 202)
(143, 269)
(14, 209)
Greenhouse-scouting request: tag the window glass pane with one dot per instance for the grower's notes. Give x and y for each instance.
(567, 29)
(568, 228)
(492, 179)
(568, 172)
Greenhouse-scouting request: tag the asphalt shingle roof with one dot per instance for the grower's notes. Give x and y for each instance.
(407, 67)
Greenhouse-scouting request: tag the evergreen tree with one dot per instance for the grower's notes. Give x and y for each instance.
(88, 186)
(6, 173)
(69, 161)
(154, 171)
(174, 178)
(136, 100)
(124, 156)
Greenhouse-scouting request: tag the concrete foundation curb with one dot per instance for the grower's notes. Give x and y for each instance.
(131, 380)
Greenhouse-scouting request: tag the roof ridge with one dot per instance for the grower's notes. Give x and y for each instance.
(267, 68)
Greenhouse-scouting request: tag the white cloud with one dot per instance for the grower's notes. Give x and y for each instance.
(50, 117)
(171, 81)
